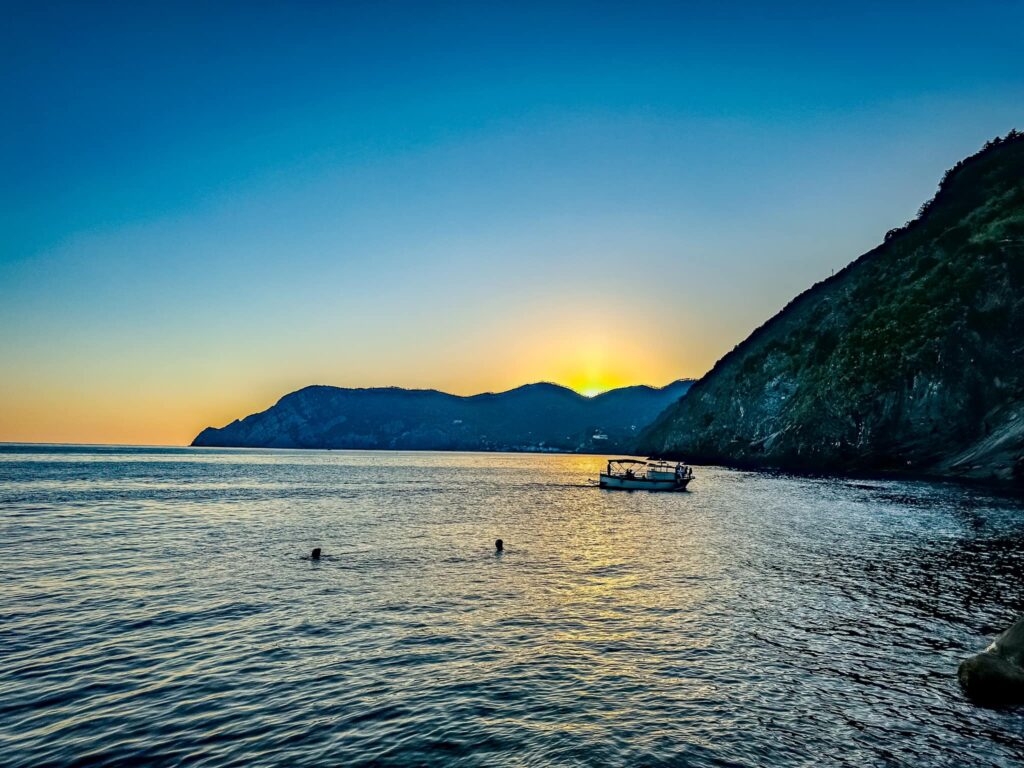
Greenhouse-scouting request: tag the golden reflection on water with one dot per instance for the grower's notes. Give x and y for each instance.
(165, 590)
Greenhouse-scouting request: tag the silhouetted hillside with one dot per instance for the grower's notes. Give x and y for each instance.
(532, 417)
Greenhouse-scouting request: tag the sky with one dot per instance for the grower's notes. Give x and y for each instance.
(206, 206)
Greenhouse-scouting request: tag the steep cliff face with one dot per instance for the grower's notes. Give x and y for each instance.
(532, 417)
(911, 358)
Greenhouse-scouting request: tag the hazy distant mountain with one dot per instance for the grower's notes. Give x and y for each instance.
(911, 358)
(529, 418)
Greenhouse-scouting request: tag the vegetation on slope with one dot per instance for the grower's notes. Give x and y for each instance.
(910, 358)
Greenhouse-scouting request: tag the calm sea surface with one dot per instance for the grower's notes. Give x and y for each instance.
(155, 608)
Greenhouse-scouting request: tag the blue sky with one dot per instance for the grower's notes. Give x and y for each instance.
(203, 208)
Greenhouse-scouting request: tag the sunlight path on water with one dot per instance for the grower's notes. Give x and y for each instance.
(159, 608)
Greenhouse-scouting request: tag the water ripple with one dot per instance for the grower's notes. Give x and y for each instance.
(157, 610)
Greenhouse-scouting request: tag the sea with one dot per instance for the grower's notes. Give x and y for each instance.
(158, 607)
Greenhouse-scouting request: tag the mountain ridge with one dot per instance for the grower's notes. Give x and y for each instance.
(531, 417)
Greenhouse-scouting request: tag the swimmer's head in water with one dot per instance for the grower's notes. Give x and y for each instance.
(499, 545)
(315, 555)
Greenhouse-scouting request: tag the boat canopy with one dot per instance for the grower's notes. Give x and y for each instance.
(626, 461)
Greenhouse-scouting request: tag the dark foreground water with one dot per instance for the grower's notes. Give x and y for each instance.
(155, 609)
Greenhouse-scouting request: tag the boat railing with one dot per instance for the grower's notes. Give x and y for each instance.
(633, 468)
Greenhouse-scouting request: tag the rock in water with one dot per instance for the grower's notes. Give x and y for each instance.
(996, 676)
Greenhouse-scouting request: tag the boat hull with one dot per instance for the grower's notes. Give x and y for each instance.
(615, 482)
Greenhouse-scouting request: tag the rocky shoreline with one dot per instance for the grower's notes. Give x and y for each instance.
(907, 361)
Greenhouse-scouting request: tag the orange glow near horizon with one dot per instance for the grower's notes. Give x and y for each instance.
(597, 375)
(105, 391)
(594, 382)
(118, 414)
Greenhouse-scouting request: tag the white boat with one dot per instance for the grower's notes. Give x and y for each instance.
(637, 475)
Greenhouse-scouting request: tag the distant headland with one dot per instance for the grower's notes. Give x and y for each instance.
(534, 417)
